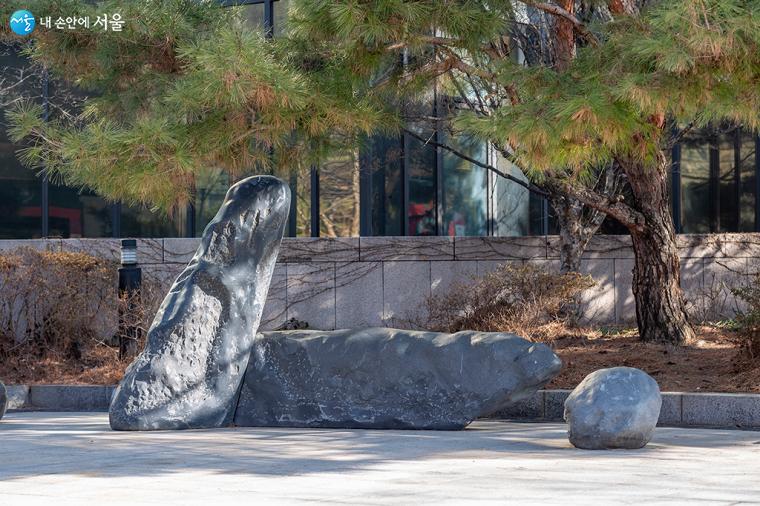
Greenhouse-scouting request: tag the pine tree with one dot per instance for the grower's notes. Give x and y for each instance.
(680, 64)
(186, 87)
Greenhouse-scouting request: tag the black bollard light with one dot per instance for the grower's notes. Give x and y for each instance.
(130, 279)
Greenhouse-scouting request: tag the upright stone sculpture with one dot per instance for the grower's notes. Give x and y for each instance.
(189, 374)
(3, 400)
(613, 408)
(388, 378)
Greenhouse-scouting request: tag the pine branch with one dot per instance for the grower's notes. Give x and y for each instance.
(436, 41)
(611, 206)
(556, 10)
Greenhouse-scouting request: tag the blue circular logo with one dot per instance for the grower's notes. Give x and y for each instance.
(22, 22)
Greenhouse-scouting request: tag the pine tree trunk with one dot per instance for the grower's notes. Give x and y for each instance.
(572, 241)
(660, 307)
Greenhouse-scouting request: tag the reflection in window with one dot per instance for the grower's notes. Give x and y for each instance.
(253, 15)
(20, 189)
(728, 203)
(420, 161)
(20, 196)
(339, 195)
(511, 202)
(75, 213)
(718, 180)
(210, 188)
(139, 221)
(465, 202)
(695, 185)
(302, 195)
(746, 155)
(280, 16)
(383, 160)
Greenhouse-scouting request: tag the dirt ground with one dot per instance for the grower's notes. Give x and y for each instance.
(714, 362)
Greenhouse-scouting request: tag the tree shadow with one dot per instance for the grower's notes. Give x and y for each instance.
(80, 444)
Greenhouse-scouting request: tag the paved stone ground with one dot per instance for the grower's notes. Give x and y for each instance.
(73, 458)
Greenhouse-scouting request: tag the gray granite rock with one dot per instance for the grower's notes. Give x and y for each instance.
(3, 400)
(613, 408)
(197, 350)
(387, 378)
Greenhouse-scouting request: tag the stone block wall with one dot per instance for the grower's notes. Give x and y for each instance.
(368, 281)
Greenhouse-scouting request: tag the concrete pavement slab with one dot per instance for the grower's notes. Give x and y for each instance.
(73, 458)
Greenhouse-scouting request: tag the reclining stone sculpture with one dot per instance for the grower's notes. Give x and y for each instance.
(388, 378)
(204, 366)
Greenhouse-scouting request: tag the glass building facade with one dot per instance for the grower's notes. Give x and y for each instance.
(386, 186)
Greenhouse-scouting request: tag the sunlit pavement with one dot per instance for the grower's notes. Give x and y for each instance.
(74, 458)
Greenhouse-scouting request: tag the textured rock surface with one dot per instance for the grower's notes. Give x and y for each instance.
(613, 408)
(198, 346)
(3, 400)
(387, 378)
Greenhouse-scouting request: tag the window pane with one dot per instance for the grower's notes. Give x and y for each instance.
(729, 205)
(695, 185)
(140, 221)
(464, 190)
(420, 161)
(511, 202)
(280, 16)
(74, 212)
(339, 195)
(20, 189)
(210, 188)
(20, 196)
(747, 199)
(303, 201)
(78, 214)
(383, 159)
(253, 14)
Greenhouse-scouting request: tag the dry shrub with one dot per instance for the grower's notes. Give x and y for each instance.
(748, 319)
(137, 311)
(53, 301)
(63, 305)
(518, 299)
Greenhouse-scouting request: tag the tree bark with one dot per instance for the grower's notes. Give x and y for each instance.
(355, 193)
(564, 37)
(660, 306)
(572, 243)
(572, 240)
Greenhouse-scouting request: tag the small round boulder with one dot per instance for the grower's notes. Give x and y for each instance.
(3, 399)
(613, 408)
